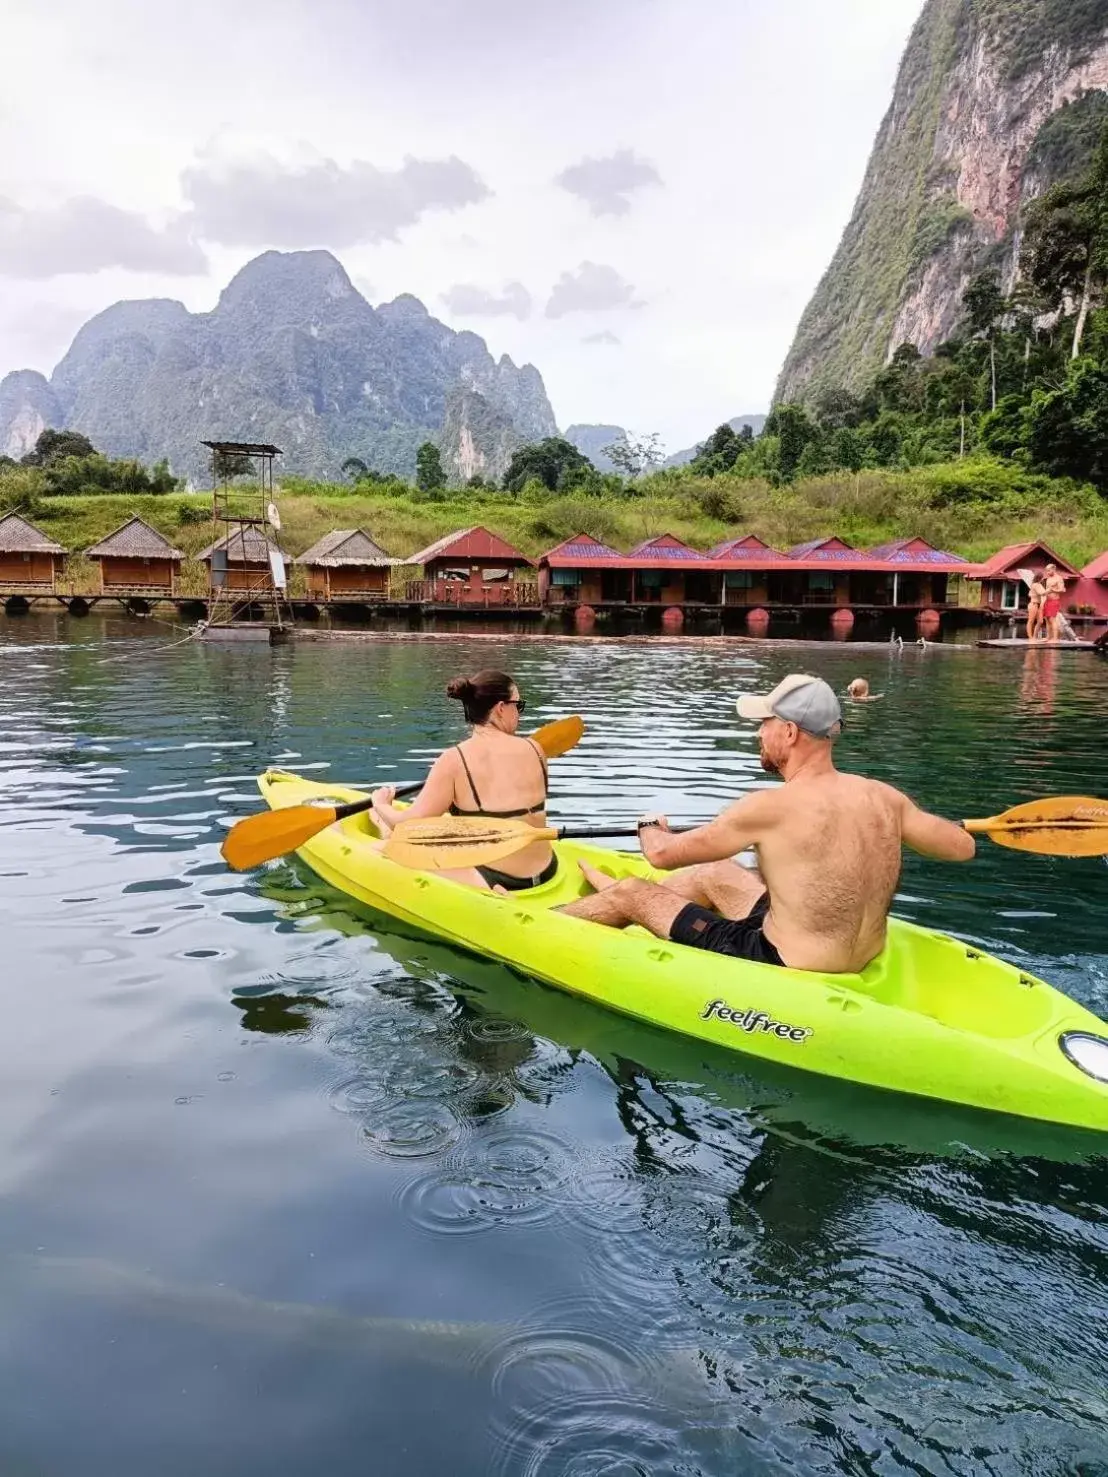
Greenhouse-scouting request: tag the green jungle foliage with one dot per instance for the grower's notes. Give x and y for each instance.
(1027, 32)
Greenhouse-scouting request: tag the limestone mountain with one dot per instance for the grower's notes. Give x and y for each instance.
(27, 406)
(995, 100)
(293, 354)
(477, 440)
(590, 441)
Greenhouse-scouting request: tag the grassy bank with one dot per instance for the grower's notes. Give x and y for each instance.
(969, 508)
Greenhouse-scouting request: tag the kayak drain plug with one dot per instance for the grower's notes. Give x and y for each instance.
(1088, 1052)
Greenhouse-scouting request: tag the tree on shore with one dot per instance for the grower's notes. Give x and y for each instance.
(430, 477)
(554, 461)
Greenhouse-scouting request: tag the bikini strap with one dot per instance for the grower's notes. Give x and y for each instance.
(469, 777)
(541, 757)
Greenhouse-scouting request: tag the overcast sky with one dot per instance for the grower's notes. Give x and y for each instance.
(638, 196)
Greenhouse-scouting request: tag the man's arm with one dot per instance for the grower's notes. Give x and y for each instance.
(930, 835)
(739, 826)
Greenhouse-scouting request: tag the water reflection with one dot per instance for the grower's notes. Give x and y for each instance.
(315, 1192)
(1040, 680)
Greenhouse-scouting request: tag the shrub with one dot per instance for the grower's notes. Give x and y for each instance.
(193, 513)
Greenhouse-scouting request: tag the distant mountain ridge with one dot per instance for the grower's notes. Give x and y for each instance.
(682, 458)
(293, 354)
(591, 440)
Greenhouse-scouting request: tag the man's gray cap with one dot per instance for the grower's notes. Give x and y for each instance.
(801, 699)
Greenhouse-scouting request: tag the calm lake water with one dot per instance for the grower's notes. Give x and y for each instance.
(285, 1191)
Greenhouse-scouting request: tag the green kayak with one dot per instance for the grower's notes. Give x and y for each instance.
(930, 1016)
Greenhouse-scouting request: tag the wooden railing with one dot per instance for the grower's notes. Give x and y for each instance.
(507, 596)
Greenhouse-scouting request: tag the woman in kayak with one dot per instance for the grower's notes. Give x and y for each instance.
(496, 772)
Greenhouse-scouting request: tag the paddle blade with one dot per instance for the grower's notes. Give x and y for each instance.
(273, 833)
(557, 738)
(437, 843)
(1061, 825)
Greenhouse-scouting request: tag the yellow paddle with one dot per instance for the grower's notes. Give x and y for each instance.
(273, 833)
(1065, 825)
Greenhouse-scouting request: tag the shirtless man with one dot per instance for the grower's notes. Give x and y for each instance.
(1055, 586)
(828, 849)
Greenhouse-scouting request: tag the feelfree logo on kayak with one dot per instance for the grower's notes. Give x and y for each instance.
(755, 1020)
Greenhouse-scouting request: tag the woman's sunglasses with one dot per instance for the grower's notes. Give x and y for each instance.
(519, 703)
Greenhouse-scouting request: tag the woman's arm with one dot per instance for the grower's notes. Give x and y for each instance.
(434, 799)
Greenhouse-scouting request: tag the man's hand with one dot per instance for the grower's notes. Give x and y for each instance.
(651, 829)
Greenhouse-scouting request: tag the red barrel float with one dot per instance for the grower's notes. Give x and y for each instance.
(673, 619)
(757, 621)
(584, 619)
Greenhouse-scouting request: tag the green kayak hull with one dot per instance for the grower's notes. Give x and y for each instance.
(931, 1016)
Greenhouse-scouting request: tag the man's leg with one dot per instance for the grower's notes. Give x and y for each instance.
(726, 887)
(633, 900)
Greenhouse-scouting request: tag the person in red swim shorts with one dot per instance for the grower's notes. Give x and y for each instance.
(1055, 586)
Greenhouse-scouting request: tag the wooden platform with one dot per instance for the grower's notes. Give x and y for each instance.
(247, 631)
(1022, 644)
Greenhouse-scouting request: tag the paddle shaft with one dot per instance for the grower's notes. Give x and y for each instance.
(982, 828)
(357, 806)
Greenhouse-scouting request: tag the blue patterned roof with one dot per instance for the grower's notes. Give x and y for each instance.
(662, 548)
(587, 549)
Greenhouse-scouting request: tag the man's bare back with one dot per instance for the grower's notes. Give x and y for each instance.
(829, 856)
(829, 853)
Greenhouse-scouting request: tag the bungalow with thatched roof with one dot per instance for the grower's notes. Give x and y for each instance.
(346, 564)
(240, 561)
(136, 560)
(29, 561)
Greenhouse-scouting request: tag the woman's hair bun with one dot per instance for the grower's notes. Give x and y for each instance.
(460, 689)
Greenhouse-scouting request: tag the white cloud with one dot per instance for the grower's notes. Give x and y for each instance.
(466, 300)
(83, 235)
(264, 202)
(605, 184)
(592, 288)
(604, 337)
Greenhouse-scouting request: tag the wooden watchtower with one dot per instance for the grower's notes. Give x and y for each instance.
(247, 575)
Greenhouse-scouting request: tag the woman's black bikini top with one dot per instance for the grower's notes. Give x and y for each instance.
(503, 815)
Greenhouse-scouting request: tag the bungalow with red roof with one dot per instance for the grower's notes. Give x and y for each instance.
(1091, 588)
(473, 568)
(136, 560)
(346, 565)
(746, 562)
(659, 571)
(908, 573)
(582, 571)
(669, 572)
(819, 573)
(1002, 585)
(30, 562)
